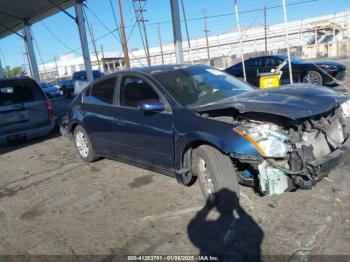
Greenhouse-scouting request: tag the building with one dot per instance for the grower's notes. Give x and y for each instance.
(65, 65)
(323, 36)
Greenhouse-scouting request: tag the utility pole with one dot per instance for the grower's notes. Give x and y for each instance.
(175, 15)
(103, 58)
(288, 51)
(160, 44)
(206, 34)
(265, 28)
(141, 20)
(187, 34)
(123, 37)
(240, 40)
(94, 45)
(58, 75)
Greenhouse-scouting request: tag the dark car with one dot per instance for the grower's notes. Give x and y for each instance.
(67, 86)
(25, 110)
(317, 73)
(81, 75)
(195, 122)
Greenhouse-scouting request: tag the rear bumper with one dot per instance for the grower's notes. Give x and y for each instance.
(332, 160)
(29, 134)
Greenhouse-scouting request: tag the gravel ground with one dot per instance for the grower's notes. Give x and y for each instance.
(51, 203)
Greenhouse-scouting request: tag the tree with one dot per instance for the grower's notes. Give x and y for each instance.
(15, 71)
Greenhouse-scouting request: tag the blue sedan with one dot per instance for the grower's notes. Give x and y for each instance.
(196, 123)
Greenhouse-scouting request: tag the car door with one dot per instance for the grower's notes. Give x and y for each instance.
(98, 105)
(143, 137)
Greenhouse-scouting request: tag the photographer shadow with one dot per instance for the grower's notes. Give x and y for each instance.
(233, 236)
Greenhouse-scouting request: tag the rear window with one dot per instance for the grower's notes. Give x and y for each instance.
(18, 92)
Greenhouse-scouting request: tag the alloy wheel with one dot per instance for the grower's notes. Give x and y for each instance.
(205, 179)
(312, 78)
(82, 144)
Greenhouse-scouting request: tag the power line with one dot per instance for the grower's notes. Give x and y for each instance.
(59, 40)
(240, 12)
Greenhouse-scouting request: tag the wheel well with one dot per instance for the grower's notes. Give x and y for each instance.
(187, 152)
(73, 126)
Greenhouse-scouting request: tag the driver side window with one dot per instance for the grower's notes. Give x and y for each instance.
(134, 90)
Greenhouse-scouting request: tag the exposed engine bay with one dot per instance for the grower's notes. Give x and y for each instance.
(294, 152)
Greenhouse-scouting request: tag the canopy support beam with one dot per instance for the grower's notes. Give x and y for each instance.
(29, 43)
(83, 39)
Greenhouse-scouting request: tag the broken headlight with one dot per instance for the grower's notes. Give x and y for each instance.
(269, 143)
(346, 108)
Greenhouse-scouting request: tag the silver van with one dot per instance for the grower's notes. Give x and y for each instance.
(25, 110)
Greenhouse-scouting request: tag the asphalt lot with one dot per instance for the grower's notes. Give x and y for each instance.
(52, 203)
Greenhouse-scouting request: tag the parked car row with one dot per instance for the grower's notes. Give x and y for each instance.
(194, 123)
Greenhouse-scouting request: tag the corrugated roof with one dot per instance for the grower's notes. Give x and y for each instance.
(14, 12)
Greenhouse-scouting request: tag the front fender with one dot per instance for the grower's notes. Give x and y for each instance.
(219, 134)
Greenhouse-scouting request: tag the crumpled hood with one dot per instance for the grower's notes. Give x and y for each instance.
(292, 101)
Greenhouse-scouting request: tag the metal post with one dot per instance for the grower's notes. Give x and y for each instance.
(316, 45)
(177, 31)
(265, 29)
(240, 40)
(30, 49)
(83, 40)
(287, 44)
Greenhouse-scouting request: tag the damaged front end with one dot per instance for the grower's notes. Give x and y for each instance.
(298, 154)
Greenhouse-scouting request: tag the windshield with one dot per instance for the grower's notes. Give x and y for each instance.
(197, 85)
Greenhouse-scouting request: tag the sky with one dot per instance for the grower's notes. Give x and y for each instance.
(59, 34)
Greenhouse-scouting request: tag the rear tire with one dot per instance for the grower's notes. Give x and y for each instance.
(217, 178)
(313, 77)
(83, 145)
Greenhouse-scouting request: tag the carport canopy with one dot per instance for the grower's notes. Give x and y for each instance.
(13, 13)
(16, 15)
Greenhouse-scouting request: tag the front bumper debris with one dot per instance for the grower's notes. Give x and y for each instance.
(324, 165)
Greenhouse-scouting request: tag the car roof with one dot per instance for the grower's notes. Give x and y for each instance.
(150, 70)
(266, 56)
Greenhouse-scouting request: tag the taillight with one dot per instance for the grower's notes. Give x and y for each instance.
(49, 108)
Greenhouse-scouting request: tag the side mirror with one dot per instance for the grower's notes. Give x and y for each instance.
(151, 106)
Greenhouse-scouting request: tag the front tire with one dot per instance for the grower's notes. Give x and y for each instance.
(313, 77)
(216, 177)
(83, 145)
